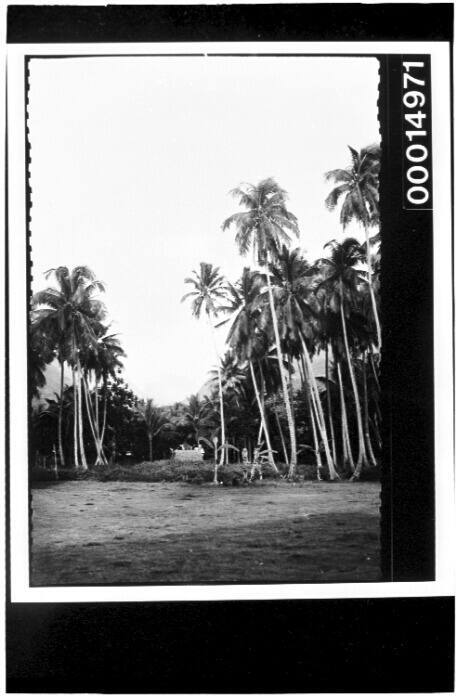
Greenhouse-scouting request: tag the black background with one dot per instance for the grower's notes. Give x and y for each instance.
(287, 646)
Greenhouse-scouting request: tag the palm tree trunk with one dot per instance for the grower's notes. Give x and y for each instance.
(75, 419)
(291, 392)
(105, 401)
(329, 406)
(285, 390)
(366, 421)
(259, 435)
(281, 436)
(315, 440)
(373, 367)
(370, 286)
(97, 423)
(262, 419)
(362, 457)
(97, 418)
(88, 411)
(347, 450)
(319, 411)
(80, 419)
(150, 447)
(221, 401)
(59, 427)
(306, 388)
(93, 422)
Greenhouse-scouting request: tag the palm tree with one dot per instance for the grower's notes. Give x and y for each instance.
(197, 416)
(41, 352)
(233, 376)
(108, 365)
(154, 419)
(69, 313)
(246, 338)
(209, 290)
(293, 289)
(265, 226)
(358, 186)
(342, 282)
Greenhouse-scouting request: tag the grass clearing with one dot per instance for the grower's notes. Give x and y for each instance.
(92, 532)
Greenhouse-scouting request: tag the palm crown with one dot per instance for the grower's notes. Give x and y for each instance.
(244, 334)
(209, 289)
(69, 313)
(266, 224)
(357, 185)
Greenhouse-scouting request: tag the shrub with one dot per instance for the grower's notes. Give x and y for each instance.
(48, 475)
(232, 474)
(158, 471)
(42, 475)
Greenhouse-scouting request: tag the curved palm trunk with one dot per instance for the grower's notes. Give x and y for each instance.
(366, 422)
(105, 401)
(262, 419)
(93, 423)
(317, 453)
(373, 368)
(370, 286)
(362, 457)
(319, 411)
(59, 427)
(347, 450)
(221, 403)
(285, 389)
(80, 420)
(281, 436)
(329, 406)
(97, 423)
(88, 411)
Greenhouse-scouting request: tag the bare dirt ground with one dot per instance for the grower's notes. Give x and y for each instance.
(92, 532)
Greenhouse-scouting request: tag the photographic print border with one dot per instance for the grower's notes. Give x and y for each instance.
(407, 542)
(86, 646)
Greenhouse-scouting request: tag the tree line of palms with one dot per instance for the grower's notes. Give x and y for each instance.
(285, 310)
(279, 315)
(68, 325)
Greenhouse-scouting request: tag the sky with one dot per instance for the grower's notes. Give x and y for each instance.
(133, 159)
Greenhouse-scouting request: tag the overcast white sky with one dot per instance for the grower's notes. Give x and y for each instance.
(132, 162)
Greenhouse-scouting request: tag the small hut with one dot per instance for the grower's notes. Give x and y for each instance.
(188, 455)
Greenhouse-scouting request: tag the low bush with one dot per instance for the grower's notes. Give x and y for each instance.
(42, 475)
(232, 474)
(48, 475)
(198, 472)
(157, 471)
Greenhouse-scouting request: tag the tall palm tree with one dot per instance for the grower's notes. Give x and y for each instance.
(155, 421)
(209, 291)
(342, 282)
(358, 187)
(265, 226)
(293, 289)
(69, 312)
(246, 338)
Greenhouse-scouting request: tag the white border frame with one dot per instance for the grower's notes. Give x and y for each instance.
(444, 498)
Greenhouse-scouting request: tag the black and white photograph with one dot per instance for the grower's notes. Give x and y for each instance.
(229, 351)
(205, 342)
